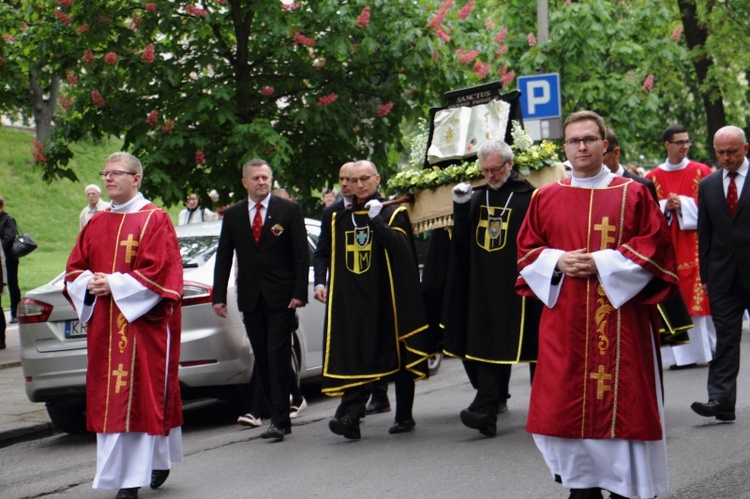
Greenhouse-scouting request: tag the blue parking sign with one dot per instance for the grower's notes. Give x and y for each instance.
(540, 96)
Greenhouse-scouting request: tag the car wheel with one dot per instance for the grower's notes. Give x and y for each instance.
(68, 418)
(433, 363)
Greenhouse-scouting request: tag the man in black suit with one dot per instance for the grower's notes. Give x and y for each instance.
(267, 235)
(612, 160)
(724, 246)
(322, 256)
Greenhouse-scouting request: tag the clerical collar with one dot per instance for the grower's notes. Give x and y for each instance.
(601, 179)
(670, 167)
(134, 204)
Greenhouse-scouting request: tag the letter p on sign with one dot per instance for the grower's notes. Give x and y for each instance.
(540, 96)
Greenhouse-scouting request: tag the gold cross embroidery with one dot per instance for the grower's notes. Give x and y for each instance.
(130, 246)
(120, 382)
(605, 229)
(600, 378)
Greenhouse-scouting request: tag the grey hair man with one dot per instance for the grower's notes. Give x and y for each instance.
(486, 323)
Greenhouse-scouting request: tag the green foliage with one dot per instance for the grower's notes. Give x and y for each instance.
(48, 210)
(302, 85)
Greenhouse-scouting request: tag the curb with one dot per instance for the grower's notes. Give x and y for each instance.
(11, 437)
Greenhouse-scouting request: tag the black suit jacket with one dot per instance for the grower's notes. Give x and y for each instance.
(276, 267)
(644, 181)
(723, 240)
(322, 256)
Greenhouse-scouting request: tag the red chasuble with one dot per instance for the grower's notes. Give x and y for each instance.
(595, 377)
(685, 183)
(131, 380)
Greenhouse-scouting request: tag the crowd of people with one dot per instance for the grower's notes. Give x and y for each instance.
(581, 295)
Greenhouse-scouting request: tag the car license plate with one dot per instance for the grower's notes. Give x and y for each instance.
(74, 329)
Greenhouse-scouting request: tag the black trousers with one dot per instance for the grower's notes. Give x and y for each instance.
(3, 325)
(727, 310)
(11, 266)
(269, 334)
(354, 399)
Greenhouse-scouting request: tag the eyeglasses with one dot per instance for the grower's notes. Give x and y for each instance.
(587, 141)
(496, 170)
(363, 178)
(115, 173)
(681, 142)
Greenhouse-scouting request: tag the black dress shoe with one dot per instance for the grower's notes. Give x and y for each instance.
(2, 345)
(14, 321)
(402, 426)
(346, 427)
(276, 432)
(127, 493)
(158, 477)
(675, 367)
(486, 424)
(377, 407)
(713, 409)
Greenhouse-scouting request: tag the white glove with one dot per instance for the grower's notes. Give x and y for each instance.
(462, 193)
(373, 208)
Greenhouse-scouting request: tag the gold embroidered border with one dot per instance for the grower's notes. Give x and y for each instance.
(649, 260)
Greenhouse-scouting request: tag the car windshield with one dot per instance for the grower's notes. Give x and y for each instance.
(197, 250)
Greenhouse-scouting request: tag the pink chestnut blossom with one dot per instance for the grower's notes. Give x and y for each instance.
(267, 91)
(110, 57)
(167, 127)
(500, 36)
(532, 39)
(148, 54)
(151, 7)
(364, 17)
(152, 117)
(466, 10)
(648, 83)
(88, 57)
(200, 157)
(327, 99)
(63, 17)
(481, 69)
(385, 109)
(97, 98)
(71, 77)
(677, 33)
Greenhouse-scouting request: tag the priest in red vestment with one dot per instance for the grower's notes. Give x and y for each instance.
(596, 250)
(124, 278)
(676, 181)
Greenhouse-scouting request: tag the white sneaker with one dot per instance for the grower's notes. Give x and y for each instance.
(249, 420)
(295, 411)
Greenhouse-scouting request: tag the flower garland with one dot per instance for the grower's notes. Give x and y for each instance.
(527, 156)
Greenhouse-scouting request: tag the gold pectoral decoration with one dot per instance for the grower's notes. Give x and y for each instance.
(600, 316)
(122, 323)
(277, 230)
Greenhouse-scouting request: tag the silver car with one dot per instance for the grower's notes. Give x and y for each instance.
(215, 361)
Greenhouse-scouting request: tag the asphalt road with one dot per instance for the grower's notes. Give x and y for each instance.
(441, 458)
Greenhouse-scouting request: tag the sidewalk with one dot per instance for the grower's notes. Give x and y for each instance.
(19, 418)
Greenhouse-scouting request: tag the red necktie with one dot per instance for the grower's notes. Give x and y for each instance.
(257, 223)
(732, 193)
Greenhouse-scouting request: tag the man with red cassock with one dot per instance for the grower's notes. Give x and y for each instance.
(124, 278)
(597, 252)
(676, 181)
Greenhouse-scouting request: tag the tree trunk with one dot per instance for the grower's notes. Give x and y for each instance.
(43, 108)
(696, 35)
